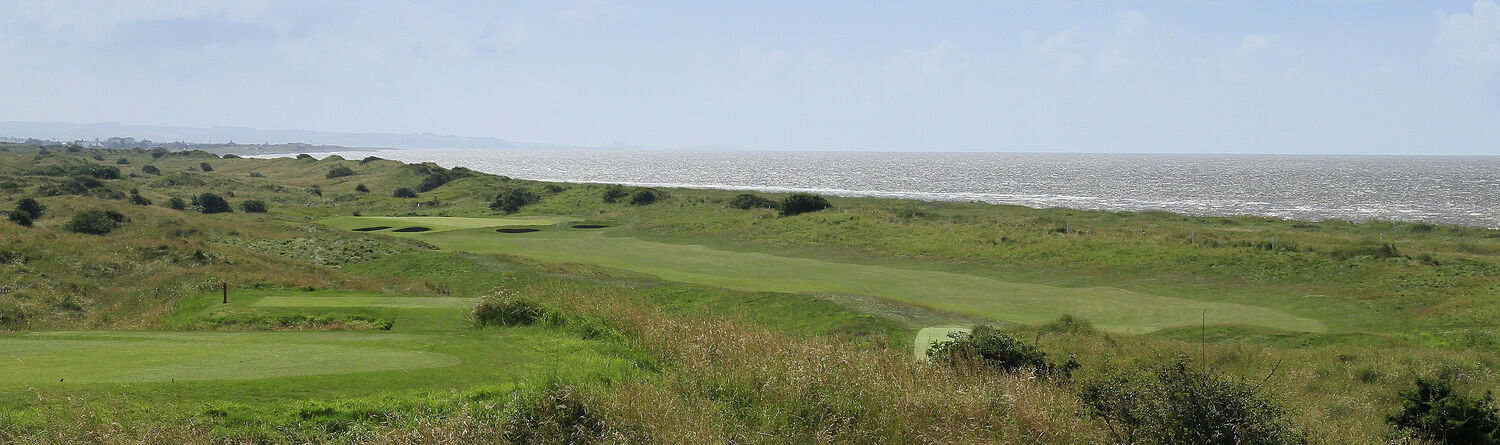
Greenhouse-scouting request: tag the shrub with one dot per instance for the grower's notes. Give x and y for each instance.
(96, 171)
(30, 207)
(554, 415)
(553, 188)
(212, 203)
(151, 170)
(137, 199)
(253, 206)
(339, 171)
(1178, 404)
(404, 192)
(158, 152)
(122, 161)
(315, 190)
(21, 218)
(614, 193)
(95, 222)
(799, 203)
(361, 188)
(176, 203)
(305, 156)
(506, 310)
(230, 156)
(205, 167)
(369, 159)
(1433, 411)
(747, 201)
(512, 200)
(438, 177)
(988, 347)
(642, 197)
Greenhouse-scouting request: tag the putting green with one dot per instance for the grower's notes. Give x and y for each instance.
(1109, 308)
(438, 223)
(360, 301)
(103, 357)
(926, 336)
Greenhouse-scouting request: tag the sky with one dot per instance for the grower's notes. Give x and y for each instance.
(1309, 76)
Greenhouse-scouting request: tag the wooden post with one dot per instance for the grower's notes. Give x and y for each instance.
(1273, 242)
(1193, 239)
(1068, 226)
(226, 292)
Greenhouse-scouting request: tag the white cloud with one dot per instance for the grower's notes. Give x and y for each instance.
(1471, 41)
(1072, 50)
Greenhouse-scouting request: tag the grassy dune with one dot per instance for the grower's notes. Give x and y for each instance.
(1113, 309)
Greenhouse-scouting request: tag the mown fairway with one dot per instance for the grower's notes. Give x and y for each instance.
(1109, 308)
(439, 224)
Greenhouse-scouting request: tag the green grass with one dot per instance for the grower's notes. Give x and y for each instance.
(1109, 308)
(363, 301)
(440, 224)
(74, 357)
(927, 335)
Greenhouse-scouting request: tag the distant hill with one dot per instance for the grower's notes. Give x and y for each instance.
(243, 135)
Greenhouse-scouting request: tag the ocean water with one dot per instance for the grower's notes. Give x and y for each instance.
(1461, 190)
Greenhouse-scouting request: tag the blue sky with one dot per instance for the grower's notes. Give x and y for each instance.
(1350, 76)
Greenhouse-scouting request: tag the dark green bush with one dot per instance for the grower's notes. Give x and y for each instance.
(439, 177)
(253, 206)
(369, 159)
(615, 193)
(122, 161)
(151, 170)
(799, 203)
(205, 167)
(361, 188)
(643, 197)
(137, 199)
(747, 201)
(315, 190)
(506, 310)
(512, 200)
(1177, 404)
(305, 156)
(91, 170)
(1433, 411)
(339, 171)
(553, 188)
(30, 207)
(212, 203)
(176, 203)
(95, 222)
(21, 218)
(404, 192)
(988, 347)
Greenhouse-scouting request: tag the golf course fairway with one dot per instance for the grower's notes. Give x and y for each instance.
(1112, 309)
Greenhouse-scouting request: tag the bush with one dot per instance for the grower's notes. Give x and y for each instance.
(212, 203)
(305, 156)
(253, 206)
(512, 200)
(30, 207)
(21, 218)
(799, 203)
(988, 347)
(151, 170)
(747, 201)
(642, 197)
(1433, 411)
(369, 159)
(554, 415)
(95, 222)
(205, 167)
(1178, 404)
(614, 193)
(506, 310)
(339, 171)
(437, 178)
(404, 192)
(361, 188)
(137, 199)
(176, 203)
(122, 161)
(315, 190)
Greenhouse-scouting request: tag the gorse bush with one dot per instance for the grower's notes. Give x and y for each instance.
(1177, 404)
(253, 206)
(20, 218)
(30, 207)
(506, 310)
(643, 197)
(361, 188)
(799, 203)
(988, 347)
(511, 201)
(137, 199)
(176, 203)
(205, 167)
(339, 171)
(211, 203)
(747, 201)
(614, 193)
(95, 222)
(403, 192)
(1433, 411)
(439, 177)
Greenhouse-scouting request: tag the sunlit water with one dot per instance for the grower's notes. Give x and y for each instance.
(1439, 189)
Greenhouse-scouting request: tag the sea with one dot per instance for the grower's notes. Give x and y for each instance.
(1460, 190)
